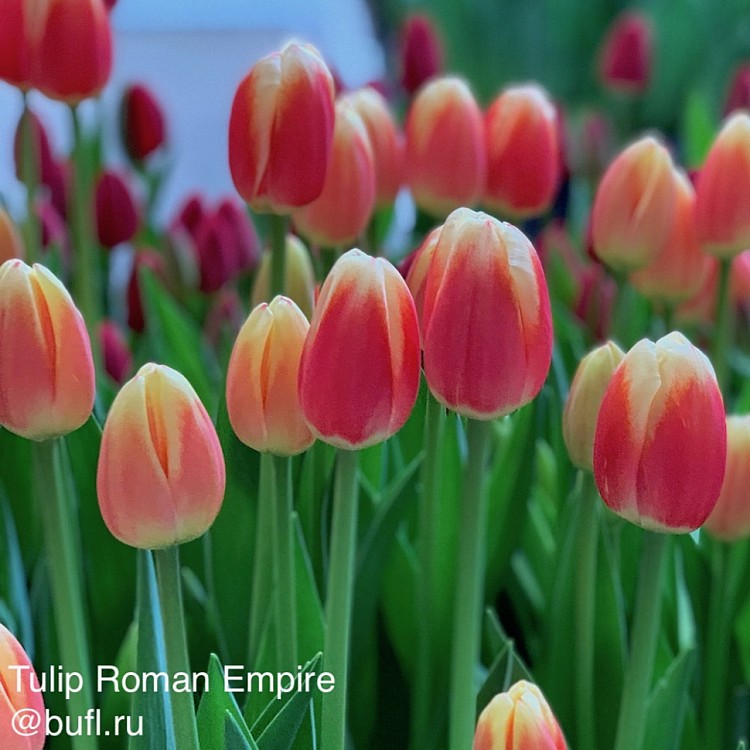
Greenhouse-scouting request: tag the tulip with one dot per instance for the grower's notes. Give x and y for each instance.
(584, 400)
(523, 152)
(446, 164)
(341, 212)
(485, 277)
(738, 96)
(54, 228)
(190, 214)
(679, 268)
(262, 399)
(11, 245)
(141, 122)
(634, 206)
(160, 478)
(730, 518)
(385, 139)
(419, 265)
(520, 719)
(660, 444)
(46, 371)
(116, 210)
(359, 373)
(421, 52)
(43, 157)
(739, 281)
(281, 130)
(590, 144)
(15, 46)
(245, 245)
(595, 300)
(118, 361)
(299, 281)
(154, 261)
(722, 217)
(625, 62)
(12, 699)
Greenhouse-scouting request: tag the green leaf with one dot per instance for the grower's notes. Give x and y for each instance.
(15, 453)
(234, 737)
(310, 616)
(698, 129)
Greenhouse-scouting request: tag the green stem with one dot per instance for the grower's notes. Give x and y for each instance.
(173, 621)
(278, 254)
(469, 589)
(428, 521)
(723, 333)
(286, 602)
(339, 599)
(66, 572)
(585, 598)
(30, 170)
(631, 724)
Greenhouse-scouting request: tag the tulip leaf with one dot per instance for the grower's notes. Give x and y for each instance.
(234, 737)
(15, 452)
(698, 128)
(310, 617)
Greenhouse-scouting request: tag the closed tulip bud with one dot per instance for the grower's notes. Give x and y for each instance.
(625, 62)
(117, 216)
(160, 478)
(520, 719)
(43, 156)
(680, 265)
(359, 374)
(299, 277)
(46, 368)
(421, 52)
(660, 444)
(634, 206)
(446, 163)
(523, 152)
(584, 399)
(386, 141)
(118, 361)
(738, 96)
(245, 242)
(14, 701)
(11, 245)
(281, 130)
(722, 217)
(730, 518)
(190, 214)
(15, 47)
(154, 261)
(262, 397)
(343, 209)
(141, 122)
(485, 277)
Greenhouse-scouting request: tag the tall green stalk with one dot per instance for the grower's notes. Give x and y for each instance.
(278, 254)
(30, 172)
(723, 334)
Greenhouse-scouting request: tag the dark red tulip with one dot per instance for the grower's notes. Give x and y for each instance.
(152, 260)
(116, 210)
(421, 52)
(118, 361)
(142, 122)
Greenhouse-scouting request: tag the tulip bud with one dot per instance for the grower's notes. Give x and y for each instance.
(141, 122)
(722, 216)
(446, 163)
(160, 478)
(421, 52)
(595, 300)
(299, 277)
(625, 63)
(43, 156)
(11, 245)
(46, 368)
(634, 206)
(190, 215)
(118, 360)
(14, 702)
(154, 261)
(523, 152)
(359, 373)
(54, 228)
(386, 141)
(730, 519)
(262, 398)
(485, 277)
(660, 443)
(584, 399)
(341, 212)
(116, 211)
(15, 48)
(281, 130)
(245, 245)
(680, 266)
(520, 719)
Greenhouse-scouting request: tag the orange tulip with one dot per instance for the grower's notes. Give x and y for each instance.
(160, 478)
(281, 130)
(19, 691)
(11, 245)
(722, 216)
(660, 444)
(262, 398)
(485, 277)
(520, 719)
(523, 152)
(341, 212)
(446, 163)
(359, 374)
(46, 368)
(634, 205)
